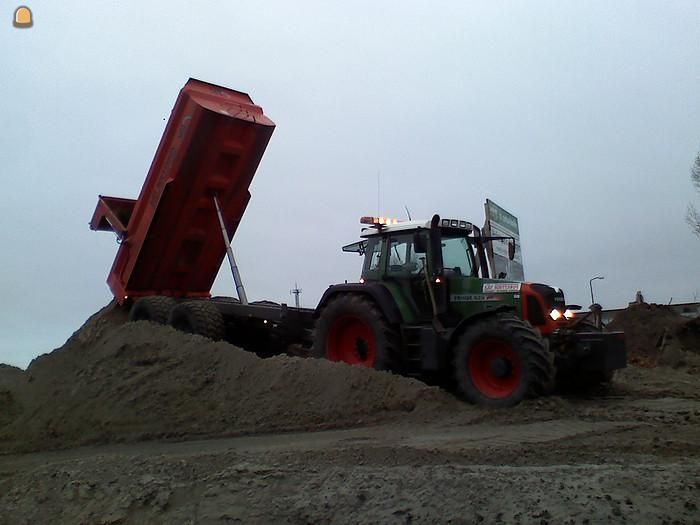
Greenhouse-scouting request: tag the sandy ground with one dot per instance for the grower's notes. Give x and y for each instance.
(631, 457)
(317, 442)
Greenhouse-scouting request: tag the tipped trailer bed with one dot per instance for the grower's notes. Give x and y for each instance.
(170, 239)
(171, 242)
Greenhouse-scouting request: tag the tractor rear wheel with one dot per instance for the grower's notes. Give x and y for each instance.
(501, 360)
(155, 308)
(353, 330)
(198, 317)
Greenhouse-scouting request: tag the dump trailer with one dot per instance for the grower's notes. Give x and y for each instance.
(174, 237)
(425, 305)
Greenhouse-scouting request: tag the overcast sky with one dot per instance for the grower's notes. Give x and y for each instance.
(581, 118)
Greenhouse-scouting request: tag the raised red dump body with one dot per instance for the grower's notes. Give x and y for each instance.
(171, 241)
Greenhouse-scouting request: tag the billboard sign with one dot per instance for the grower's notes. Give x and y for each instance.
(501, 223)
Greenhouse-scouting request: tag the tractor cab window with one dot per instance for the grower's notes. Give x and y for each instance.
(403, 259)
(373, 255)
(456, 256)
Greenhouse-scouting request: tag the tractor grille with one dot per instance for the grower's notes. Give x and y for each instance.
(538, 301)
(552, 298)
(534, 311)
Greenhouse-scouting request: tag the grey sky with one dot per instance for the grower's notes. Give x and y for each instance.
(581, 118)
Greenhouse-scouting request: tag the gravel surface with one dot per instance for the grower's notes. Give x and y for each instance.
(140, 424)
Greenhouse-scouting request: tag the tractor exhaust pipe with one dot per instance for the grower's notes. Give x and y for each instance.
(229, 252)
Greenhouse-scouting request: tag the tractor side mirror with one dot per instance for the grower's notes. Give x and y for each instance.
(420, 243)
(511, 250)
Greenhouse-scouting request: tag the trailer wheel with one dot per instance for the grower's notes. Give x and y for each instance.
(353, 330)
(154, 308)
(501, 360)
(198, 317)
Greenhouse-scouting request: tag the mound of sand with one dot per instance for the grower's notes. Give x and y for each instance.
(118, 382)
(11, 379)
(688, 333)
(655, 334)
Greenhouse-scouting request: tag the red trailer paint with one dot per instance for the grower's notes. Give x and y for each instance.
(171, 242)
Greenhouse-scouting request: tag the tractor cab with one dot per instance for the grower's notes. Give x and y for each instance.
(434, 269)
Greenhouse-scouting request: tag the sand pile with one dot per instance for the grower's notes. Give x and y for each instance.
(116, 382)
(688, 333)
(655, 334)
(11, 379)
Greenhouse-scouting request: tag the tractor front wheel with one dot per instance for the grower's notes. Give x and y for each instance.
(351, 329)
(501, 360)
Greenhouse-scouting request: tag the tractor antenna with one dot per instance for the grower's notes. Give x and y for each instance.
(407, 212)
(296, 291)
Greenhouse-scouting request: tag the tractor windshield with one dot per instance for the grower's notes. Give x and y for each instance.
(457, 255)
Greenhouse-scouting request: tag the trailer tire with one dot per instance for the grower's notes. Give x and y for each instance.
(501, 360)
(155, 308)
(351, 329)
(198, 317)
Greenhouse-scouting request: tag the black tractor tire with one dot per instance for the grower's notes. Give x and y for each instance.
(501, 360)
(352, 329)
(198, 317)
(155, 308)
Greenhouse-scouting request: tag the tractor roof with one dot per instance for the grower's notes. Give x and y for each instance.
(378, 228)
(384, 225)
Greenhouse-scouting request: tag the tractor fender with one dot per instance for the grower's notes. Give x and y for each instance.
(378, 293)
(465, 323)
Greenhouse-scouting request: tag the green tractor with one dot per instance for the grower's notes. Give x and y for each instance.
(426, 307)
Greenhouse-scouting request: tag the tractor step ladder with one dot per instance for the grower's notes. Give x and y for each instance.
(412, 337)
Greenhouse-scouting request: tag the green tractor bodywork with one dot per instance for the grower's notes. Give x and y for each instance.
(425, 306)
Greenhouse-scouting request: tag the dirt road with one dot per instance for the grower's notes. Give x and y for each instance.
(630, 457)
(138, 424)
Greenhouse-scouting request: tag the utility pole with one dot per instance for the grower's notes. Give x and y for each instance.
(590, 284)
(296, 291)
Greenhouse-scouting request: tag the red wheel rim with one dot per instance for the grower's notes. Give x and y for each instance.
(351, 341)
(494, 368)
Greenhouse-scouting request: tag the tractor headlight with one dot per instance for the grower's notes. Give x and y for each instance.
(569, 314)
(555, 314)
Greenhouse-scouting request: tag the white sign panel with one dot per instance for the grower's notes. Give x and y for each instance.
(500, 223)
